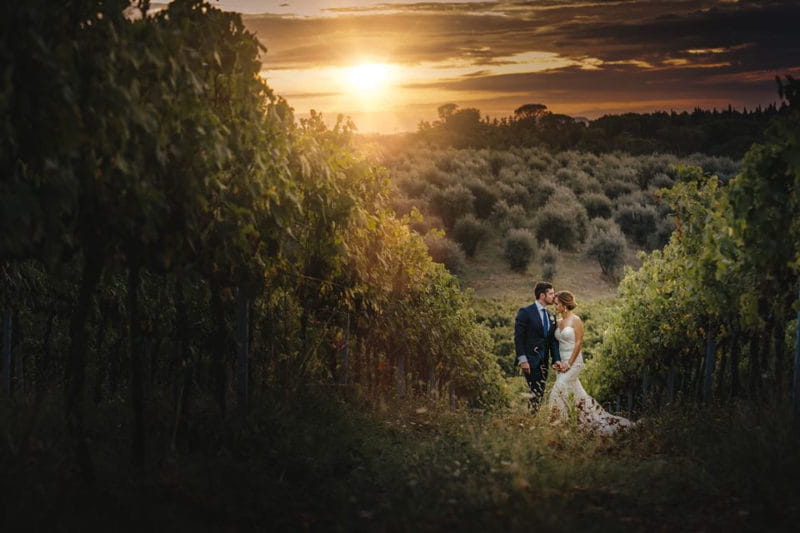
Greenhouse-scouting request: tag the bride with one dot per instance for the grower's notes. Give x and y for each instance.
(568, 388)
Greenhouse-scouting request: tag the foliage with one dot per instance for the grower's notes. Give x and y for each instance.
(445, 251)
(637, 221)
(682, 327)
(519, 249)
(548, 259)
(181, 242)
(728, 132)
(452, 203)
(606, 244)
(562, 221)
(469, 232)
(597, 205)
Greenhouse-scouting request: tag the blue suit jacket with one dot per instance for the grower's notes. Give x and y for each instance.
(530, 339)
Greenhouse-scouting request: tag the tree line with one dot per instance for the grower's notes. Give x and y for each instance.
(174, 246)
(729, 132)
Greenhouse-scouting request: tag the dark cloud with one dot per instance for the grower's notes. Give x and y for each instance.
(642, 49)
(611, 31)
(617, 83)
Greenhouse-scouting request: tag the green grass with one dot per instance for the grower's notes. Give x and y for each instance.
(324, 465)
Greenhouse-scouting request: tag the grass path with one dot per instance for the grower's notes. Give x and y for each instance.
(489, 276)
(320, 465)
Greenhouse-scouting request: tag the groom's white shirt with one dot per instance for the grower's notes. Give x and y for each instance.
(524, 358)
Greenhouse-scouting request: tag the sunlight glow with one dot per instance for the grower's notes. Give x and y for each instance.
(367, 77)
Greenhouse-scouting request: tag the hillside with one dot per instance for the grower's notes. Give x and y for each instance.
(502, 219)
(490, 278)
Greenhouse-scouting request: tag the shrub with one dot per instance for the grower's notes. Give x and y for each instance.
(424, 224)
(597, 205)
(504, 217)
(637, 197)
(498, 160)
(662, 181)
(436, 177)
(660, 237)
(542, 194)
(606, 244)
(469, 232)
(562, 223)
(548, 252)
(549, 270)
(637, 221)
(446, 161)
(485, 198)
(413, 186)
(403, 206)
(443, 250)
(617, 187)
(574, 178)
(452, 203)
(518, 249)
(514, 193)
(548, 257)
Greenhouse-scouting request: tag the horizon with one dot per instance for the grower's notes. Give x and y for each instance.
(389, 65)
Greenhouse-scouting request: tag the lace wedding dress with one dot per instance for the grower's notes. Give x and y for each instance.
(568, 392)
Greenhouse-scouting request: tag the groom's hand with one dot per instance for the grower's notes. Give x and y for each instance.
(526, 367)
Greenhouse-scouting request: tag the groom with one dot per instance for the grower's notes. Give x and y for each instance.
(534, 340)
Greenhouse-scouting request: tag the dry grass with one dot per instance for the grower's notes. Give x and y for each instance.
(490, 277)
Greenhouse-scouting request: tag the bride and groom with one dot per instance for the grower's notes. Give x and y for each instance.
(539, 337)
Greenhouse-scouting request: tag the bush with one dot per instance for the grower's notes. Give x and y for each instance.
(638, 222)
(597, 205)
(469, 232)
(504, 217)
(436, 177)
(548, 257)
(664, 228)
(549, 270)
(543, 194)
(485, 198)
(563, 224)
(518, 249)
(575, 178)
(548, 252)
(514, 193)
(452, 203)
(616, 188)
(423, 224)
(403, 206)
(445, 251)
(499, 160)
(606, 244)
(412, 186)
(662, 181)
(637, 197)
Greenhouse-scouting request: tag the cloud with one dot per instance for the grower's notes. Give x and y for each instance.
(554, 51)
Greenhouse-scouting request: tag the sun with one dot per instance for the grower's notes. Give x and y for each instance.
(367, 77)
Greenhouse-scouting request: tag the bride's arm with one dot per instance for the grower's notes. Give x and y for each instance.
(578, 328)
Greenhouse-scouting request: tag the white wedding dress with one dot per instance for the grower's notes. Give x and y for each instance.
(568, 392)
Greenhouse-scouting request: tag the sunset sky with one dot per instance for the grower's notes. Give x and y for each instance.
(390, 64)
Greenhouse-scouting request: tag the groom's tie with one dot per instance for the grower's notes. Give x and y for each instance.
(545, 321)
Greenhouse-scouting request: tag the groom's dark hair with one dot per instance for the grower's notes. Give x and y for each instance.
(541, 288)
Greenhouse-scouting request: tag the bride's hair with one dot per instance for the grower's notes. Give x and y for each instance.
(567, 299)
